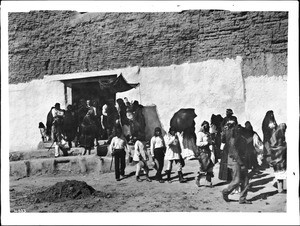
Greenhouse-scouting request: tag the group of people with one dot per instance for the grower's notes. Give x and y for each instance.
(161, 148)
(84, 123)
(236, 147)
(222, 140)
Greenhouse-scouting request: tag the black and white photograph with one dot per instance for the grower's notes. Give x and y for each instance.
(150, 112)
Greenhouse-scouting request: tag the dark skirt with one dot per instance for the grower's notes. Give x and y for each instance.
(204, 155)
(224, 173)
(86, 141)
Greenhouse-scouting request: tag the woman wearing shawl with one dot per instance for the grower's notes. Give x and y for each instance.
(278, 148)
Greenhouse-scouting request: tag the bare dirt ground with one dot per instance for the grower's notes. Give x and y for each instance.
(128, 195)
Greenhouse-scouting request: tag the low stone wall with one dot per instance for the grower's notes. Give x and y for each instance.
(61, 165)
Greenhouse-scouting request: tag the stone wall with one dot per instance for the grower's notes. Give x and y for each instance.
(61, 42)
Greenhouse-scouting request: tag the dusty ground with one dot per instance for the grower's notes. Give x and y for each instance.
(128, 195)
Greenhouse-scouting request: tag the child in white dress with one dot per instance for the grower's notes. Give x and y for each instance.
(140, 157)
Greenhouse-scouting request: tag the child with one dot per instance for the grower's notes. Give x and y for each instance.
(118, 145)
(140, 157)
(43, 131)
(157, 150)
(173, 153)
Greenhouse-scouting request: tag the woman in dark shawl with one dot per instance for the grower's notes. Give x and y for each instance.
(269, 125)
(278, 148)
(88, 132)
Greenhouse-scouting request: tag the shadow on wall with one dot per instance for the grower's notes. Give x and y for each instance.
(152, 120)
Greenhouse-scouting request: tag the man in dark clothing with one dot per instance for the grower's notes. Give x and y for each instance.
(229, 118)
(237, 156)
(50, 120)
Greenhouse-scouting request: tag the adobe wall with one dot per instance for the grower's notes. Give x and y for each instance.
(210, 87)
(29, 104)
(207, 60)
(61, 42)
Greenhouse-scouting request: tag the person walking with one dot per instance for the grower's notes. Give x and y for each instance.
(237, 163)
(204, 155)
(140, 158)
(278, 148)
(56, 128)
(173, 154)
(229, 118)
(157, 150)
(255, 150)
(118, 146)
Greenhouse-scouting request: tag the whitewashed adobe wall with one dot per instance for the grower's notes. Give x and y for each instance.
(208, 87)
(29, 104)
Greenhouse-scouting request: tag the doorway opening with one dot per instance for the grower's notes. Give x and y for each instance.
(92, 91)
(89, 89)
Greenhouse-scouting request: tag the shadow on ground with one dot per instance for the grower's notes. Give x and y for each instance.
(262, 182)
(263, 195)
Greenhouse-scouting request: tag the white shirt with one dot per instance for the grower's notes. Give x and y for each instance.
(173, 147)
(118, 143)
(139, 150)
(202, 139)
(156, 142)
(56, 112)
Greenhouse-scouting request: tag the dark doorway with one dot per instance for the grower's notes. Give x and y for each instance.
(91, 91)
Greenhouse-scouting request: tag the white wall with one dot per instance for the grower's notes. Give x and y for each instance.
(209, 87)
(265, 93)
(29, 104)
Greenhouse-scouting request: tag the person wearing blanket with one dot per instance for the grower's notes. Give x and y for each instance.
(204, 154)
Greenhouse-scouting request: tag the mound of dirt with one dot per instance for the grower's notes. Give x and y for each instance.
(61, 191)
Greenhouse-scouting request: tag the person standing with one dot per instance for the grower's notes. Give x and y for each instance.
(121, 109)
(118, 146)
(204, 143)
(229, 118)
(112, 116)
(237, 163)
(157, 150)
(269, 126)
(255, 149)
(104, 123)
(173, 154)
(140, 157)
(278, 148)
(88, 132)
(56, 128)
(228, 121)
(126, 102)
(70, 125)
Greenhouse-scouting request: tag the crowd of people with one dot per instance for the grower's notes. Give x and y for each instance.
(236, 147)
(88, 122)
(222, 140)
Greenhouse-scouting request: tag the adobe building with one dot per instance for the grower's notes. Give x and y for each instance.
(209, 60)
